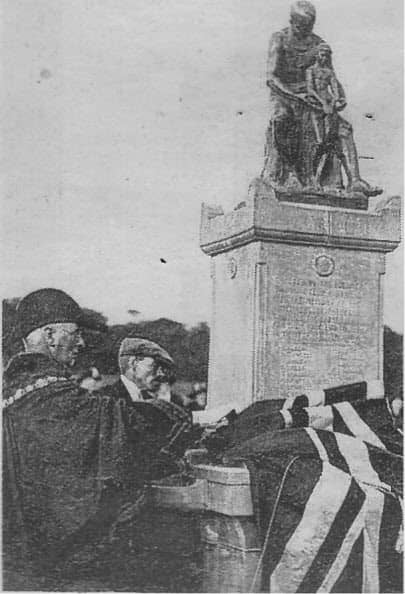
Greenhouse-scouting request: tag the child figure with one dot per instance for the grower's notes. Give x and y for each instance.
(324, 88)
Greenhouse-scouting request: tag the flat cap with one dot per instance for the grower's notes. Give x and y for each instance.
(141, 347)
(46, 306)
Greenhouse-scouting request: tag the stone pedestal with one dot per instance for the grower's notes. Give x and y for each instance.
(231, 552)
(297, 296)
(229, 542)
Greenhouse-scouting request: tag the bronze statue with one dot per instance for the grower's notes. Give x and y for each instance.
(308, 141)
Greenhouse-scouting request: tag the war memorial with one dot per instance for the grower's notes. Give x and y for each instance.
(297, 269)
(291, 480)
(297, 273)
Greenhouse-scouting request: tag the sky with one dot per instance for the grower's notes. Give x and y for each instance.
(123, 116)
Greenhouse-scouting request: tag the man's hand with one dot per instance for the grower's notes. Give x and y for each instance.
(198, 396)
(340, 104)
(328, 108)
(129, 510)
(194, 400)
(298, 97)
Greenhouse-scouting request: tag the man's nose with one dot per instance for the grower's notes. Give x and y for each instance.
(80, 341)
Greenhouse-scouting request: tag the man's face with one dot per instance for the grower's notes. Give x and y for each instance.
(301, 25)
(64, 342)
(148, 374)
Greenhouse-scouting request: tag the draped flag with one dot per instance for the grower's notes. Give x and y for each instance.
(326, 476)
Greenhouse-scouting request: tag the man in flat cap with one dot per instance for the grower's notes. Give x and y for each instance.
(148, 373)
(72, 460)
(145, 366)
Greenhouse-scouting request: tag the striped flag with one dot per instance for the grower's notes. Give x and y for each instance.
(326, 476)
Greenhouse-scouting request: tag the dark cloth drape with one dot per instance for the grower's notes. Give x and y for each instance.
(72, 461)
(327, 493)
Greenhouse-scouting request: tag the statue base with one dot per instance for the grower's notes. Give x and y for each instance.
(297, 293)
(353, 201)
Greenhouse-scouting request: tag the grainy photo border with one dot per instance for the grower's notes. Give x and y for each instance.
(203, 267)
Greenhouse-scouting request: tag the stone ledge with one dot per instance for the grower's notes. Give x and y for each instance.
(296, 237)
(265, 218)
(353, 203)
(220, 489)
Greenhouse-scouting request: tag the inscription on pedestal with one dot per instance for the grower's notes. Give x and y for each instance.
(324, 324)
(303, 306)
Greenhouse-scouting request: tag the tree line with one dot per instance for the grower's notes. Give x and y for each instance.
(188, 346)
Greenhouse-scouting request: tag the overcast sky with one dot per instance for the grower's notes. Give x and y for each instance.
(122, 116)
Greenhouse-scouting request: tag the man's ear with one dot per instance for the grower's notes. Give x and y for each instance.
(48, 334)
(132, 362)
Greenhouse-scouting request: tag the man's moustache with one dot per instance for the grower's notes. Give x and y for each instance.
(160, 380)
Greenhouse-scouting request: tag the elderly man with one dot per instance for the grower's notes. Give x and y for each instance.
(145, 367)
(72, 460)
(291, 52)
(148, 372)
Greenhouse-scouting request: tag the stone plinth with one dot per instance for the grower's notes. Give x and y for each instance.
(297, 295)
(231, 551)
(224, 490)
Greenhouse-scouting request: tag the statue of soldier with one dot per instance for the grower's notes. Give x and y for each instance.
(74, 463)
(290, 136)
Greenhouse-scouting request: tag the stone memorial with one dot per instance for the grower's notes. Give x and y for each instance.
(297, 268)
(297, 290)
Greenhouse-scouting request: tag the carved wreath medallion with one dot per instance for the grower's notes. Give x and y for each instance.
(324, 265)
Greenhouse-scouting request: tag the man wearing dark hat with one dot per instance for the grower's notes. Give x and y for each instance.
(48, 325)
(72, 460)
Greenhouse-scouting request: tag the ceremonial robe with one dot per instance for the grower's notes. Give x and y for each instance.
(71, 461)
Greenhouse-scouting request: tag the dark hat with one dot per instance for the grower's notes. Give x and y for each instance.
(46, 306)
(141, 347)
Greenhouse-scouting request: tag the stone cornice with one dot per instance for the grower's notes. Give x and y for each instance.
(255, 233)
(263, 217)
